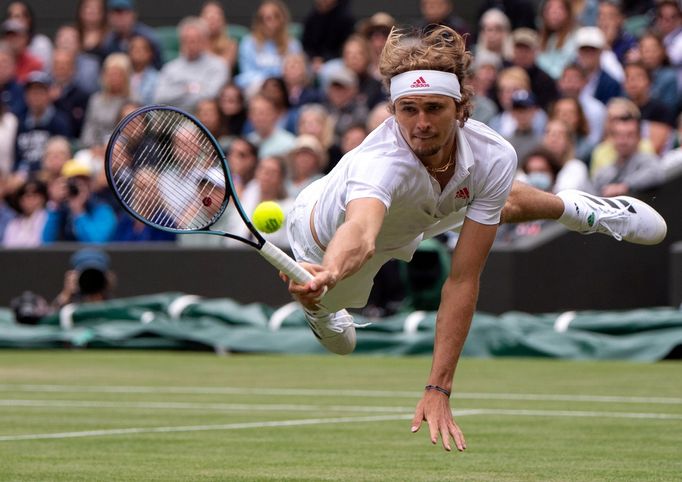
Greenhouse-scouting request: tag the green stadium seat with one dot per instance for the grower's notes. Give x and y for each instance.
(170, 43)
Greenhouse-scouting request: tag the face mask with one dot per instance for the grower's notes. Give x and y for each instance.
(540, 180)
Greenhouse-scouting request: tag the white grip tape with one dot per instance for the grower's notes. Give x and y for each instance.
(284, 263)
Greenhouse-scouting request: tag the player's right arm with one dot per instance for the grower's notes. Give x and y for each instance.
(349, 249)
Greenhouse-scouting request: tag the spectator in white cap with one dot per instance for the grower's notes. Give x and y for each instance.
(590, 42)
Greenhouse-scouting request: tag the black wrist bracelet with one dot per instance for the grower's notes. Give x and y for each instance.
(438, 389)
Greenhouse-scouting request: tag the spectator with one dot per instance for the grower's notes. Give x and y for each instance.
(41, 121)
(600, 85)
(307, 160)
(540, 168)
(242, 158)
(220, 43)
(494, 35)
(633, 170)
(604, 154)
(232, 110)
(65, 93)
(91, 23)
(672, 160)
(314, 119)
(103, 107)
(270, 177)
(8, 134)
(557, 31)
(208, 113)
(39, 45)
(271, 139)
(325, 29)
(610, 20)
(357, 57)
(523, 139)
(658, 119)
(525, 49)
(442, 12)
(510, 80)
(74, 214)
(15, 33)
(25, 230)
(57, 154)
(276, 89)
(521, 13)
(483, 82)
(262, 51)
(569, 110)
(145, 76)
(89, 280)
(668, 23)
(572, 84)
(573, 173)
(299, 80)
(123, 25)
(197, 74)
(87, 64)
(664, 78)
(11, 92)
(342, 100)
(376, 117)
(376, 29)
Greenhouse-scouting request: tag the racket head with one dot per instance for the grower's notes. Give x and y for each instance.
(169, 172)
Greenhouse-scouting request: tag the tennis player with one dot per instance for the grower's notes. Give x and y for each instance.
(426, 170)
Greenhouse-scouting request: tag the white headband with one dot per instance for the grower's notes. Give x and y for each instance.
(416, 82)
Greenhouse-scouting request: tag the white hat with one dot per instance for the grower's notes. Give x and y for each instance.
(590, 37)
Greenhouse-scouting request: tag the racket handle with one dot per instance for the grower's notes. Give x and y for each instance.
(284, 263)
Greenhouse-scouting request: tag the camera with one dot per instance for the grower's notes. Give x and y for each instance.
(72, 187)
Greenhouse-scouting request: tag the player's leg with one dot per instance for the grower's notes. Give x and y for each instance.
(623, 217)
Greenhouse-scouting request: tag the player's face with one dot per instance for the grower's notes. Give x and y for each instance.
(427, 123)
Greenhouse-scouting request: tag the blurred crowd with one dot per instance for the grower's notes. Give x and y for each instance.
(586, 91)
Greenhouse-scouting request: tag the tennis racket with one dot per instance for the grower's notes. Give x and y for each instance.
(168, 171)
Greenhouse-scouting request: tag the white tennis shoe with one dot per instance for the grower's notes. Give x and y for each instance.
(335, 331)
(623, 217)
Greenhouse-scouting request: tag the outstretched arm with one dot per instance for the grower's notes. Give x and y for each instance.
(351, 246)
(458, 302)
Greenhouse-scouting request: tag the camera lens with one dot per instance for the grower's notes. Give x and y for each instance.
(72, 187)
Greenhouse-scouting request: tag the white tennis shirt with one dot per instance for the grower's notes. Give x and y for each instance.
(384, 167)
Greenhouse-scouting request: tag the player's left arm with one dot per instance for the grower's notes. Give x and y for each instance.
(458, 303)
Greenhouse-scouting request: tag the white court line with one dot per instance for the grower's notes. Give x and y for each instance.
(323, 421)
(330, 393)
(237, 407)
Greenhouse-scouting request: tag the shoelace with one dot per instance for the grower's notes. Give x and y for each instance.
(616, 214)
(336, 324)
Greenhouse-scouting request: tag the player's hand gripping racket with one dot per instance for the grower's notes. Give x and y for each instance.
(168, 171)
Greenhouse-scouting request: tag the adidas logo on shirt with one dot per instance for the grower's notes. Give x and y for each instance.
(419, 83)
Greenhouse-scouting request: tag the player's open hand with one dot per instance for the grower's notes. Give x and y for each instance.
(434, 407)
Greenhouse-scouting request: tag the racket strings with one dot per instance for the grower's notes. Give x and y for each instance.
(168, 171)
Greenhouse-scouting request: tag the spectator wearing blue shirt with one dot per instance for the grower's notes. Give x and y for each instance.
(41, 121)
(261, 52)
(11, 92)
(74, 214)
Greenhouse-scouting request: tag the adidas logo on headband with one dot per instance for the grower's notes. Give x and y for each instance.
(419, 83)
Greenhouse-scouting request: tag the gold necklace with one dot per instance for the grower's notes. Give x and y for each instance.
(443, 168)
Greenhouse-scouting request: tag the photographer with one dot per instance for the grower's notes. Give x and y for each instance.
(74, 213)
(90, 278)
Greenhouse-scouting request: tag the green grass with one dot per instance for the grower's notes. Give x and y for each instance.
(552, 436)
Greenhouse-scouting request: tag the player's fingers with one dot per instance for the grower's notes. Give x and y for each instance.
(458, 437)
(417, 420)
(445, 436)
(433, 431)
(283, 277)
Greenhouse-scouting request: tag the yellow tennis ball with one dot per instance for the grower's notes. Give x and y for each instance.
(268, 217)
